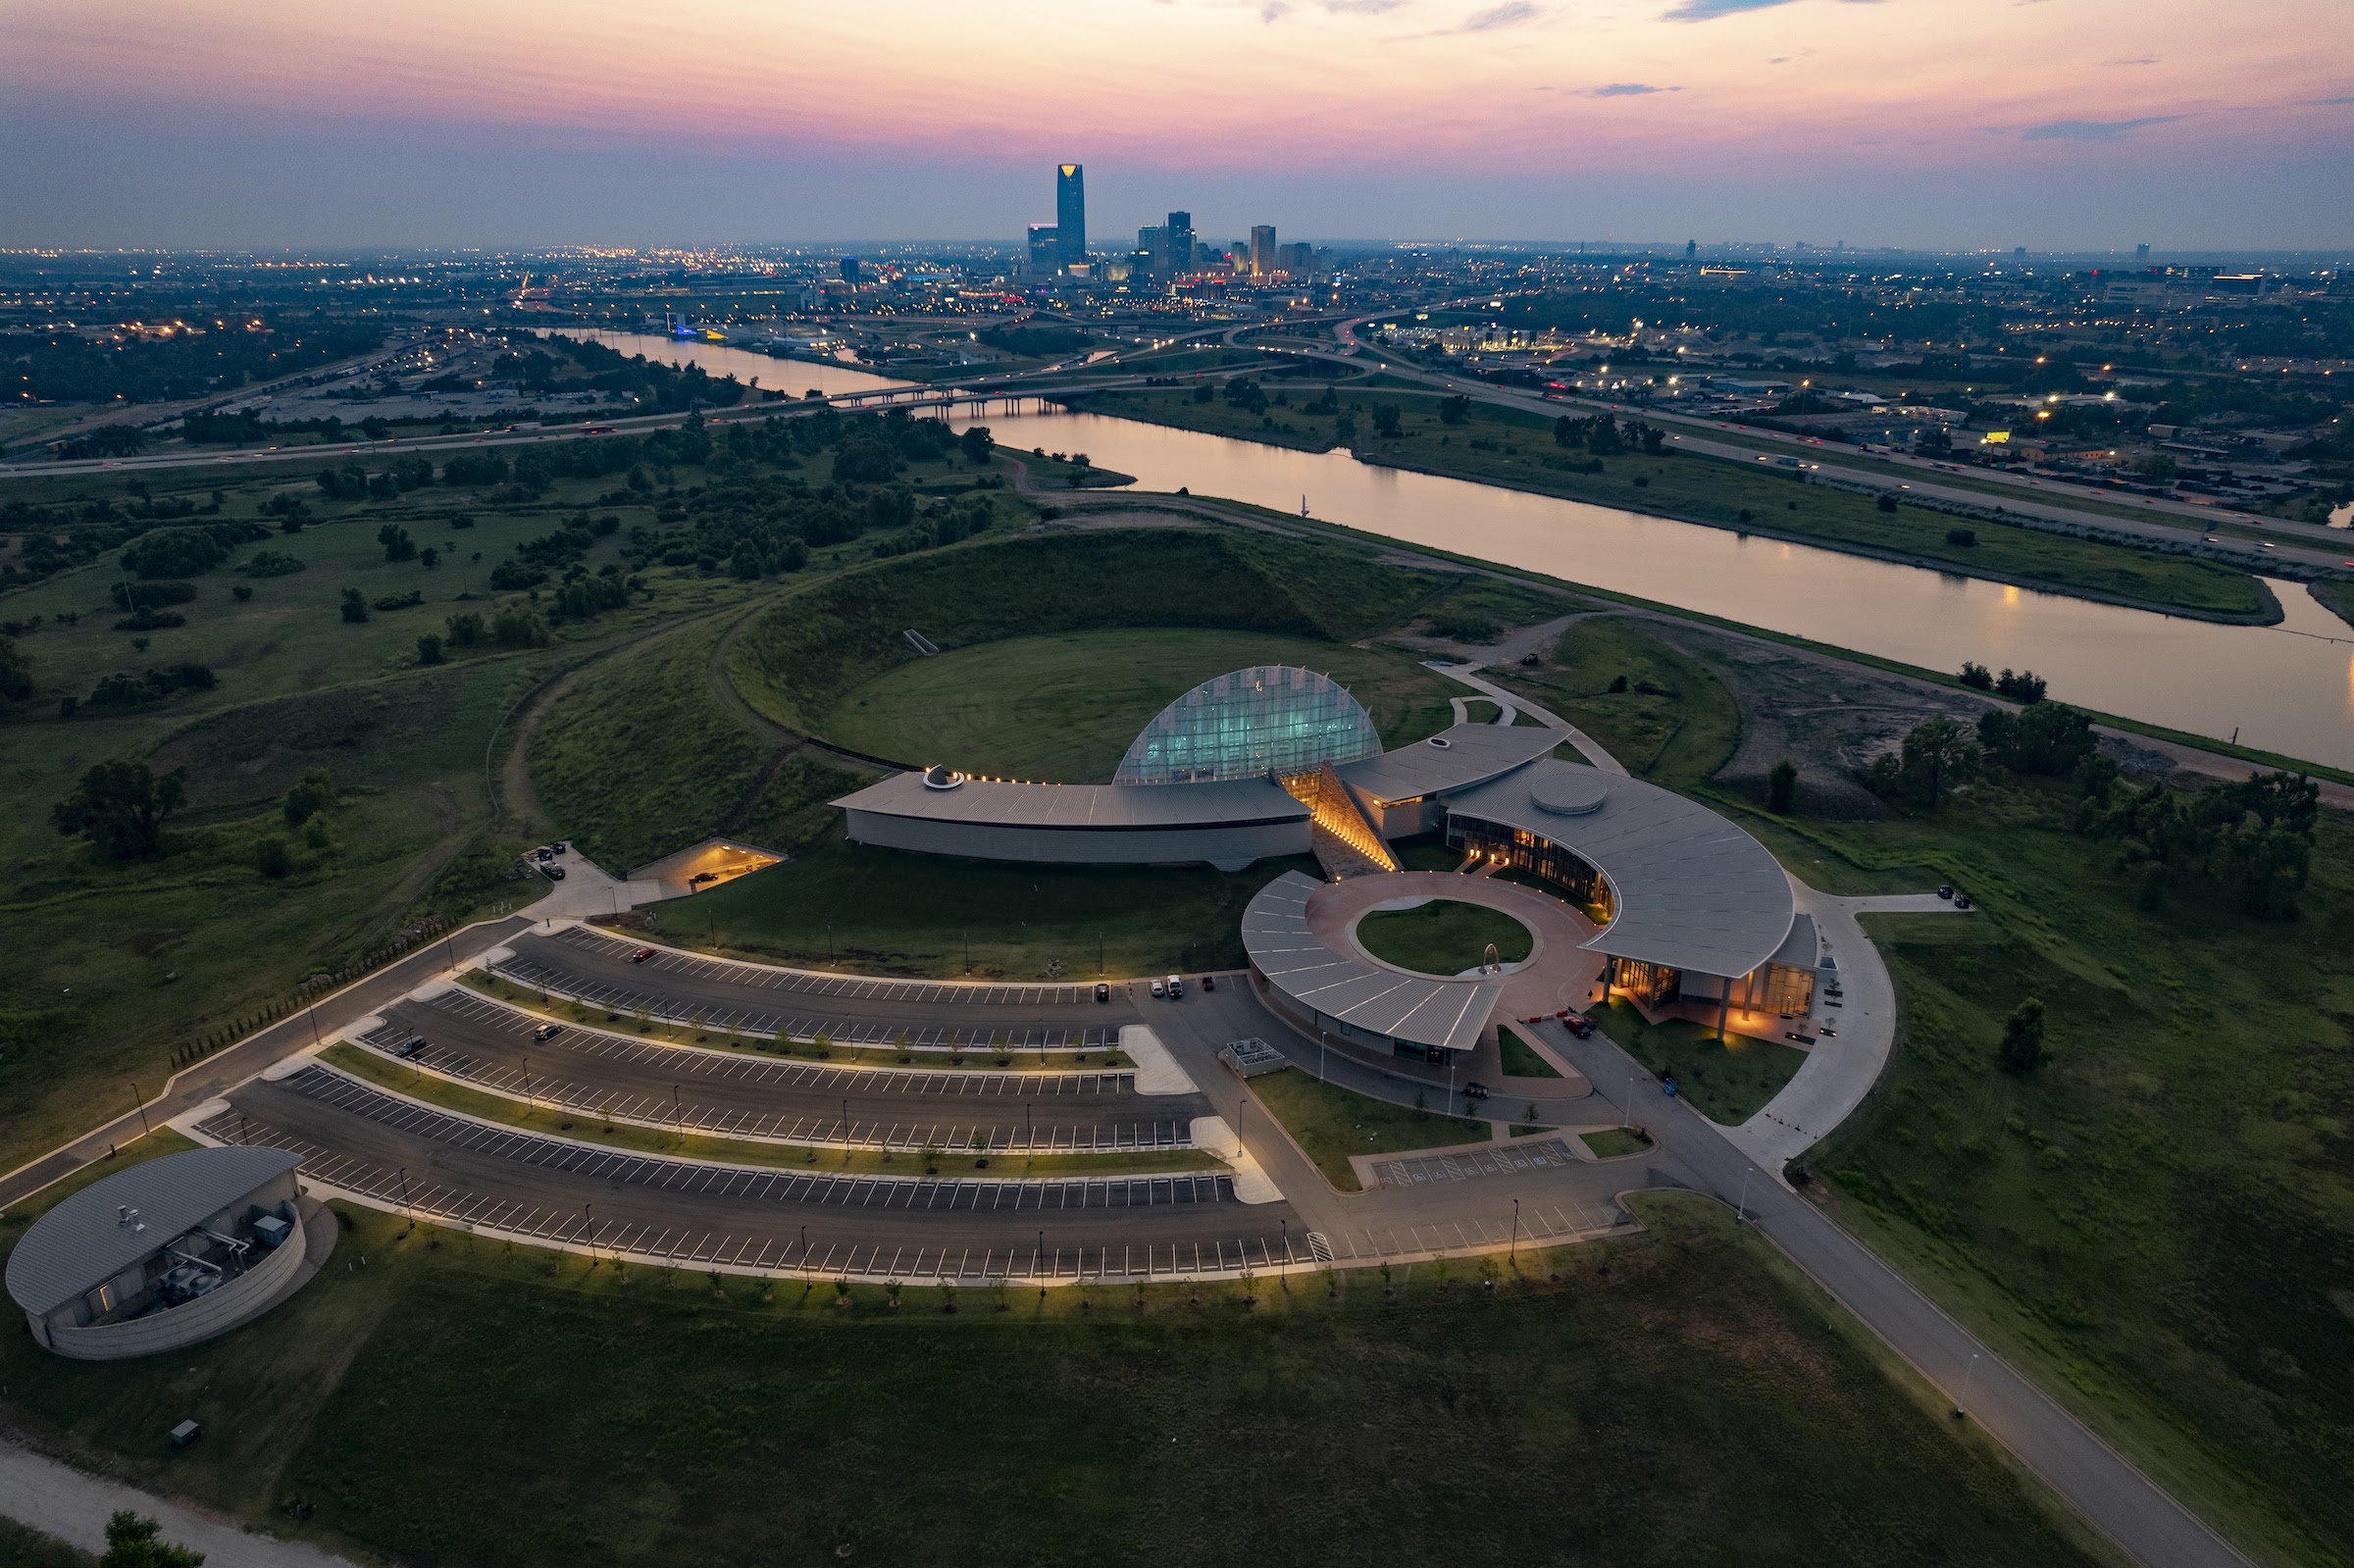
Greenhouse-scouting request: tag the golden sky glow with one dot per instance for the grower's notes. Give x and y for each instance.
(1427, 88)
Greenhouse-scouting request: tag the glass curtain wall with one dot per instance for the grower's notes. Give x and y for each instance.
(1270, 719)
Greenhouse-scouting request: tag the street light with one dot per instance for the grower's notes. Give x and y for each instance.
(144, 1130)
(1514, 1254)
(1961, 1409)
(1741, 1209)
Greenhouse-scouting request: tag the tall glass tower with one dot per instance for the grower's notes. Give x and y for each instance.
(1070, 212)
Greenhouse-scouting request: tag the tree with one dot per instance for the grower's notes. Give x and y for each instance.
(1887, 503)
(1781, 787)
(1385, 421)
(2023, 1038)
(1455, 409)
(465, 629)
(120, 807)
(2024, 687)
(428, 648)
(2046, 737)
(2158, 468)
(1935, 757)
(1977, 677)
(312, 794)
(271, 857)
(399, 546)
(976, 444)
(132, 1542)
(355, 607)
(16, 675)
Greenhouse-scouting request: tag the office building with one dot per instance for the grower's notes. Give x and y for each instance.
(850, 269)
(1179, 233)
(1262, 249)
(1046, 249)
(1297, 260)
(1152, 250)
(1070, 212)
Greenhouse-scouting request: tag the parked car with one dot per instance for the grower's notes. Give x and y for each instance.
(1210, 982)
(1102, 992)
(1161, 988)
(414, 1045)
(561, 848)
(1960, 900)
(554, 873)
(547, 1031)
(1799, 1036)
(1475, 1090)
(1946, 890)
(1176, 985)
(1578, 1025)
(641, 955)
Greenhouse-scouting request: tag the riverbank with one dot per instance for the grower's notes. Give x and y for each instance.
(1487, 447)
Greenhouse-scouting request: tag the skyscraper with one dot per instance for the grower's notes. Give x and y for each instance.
(1152, 250)
(1046, 248)
(1262, 249)
(1179, 232)
(1070, 212)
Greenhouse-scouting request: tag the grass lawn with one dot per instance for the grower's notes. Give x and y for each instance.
(1727, 1082)
(1332, 1123)
(24, 1547)
(585, 1128)
(2158, 1224)
(457, 1402)
(1479, 710)
(1516, 447)
(1521, 1059)
(1442, 936)
(1063, 707)
(1613, 1142)
(836, 905)
(1670, 721)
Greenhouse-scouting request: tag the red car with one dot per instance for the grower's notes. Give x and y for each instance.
(641, 955)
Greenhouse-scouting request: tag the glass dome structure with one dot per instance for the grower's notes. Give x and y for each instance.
(1269, 720)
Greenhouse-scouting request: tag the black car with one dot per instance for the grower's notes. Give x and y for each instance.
(1102, 992)
(547, 1031)
(1475, 1090)
(414, 1045)
(1210, 982)
(554, 873)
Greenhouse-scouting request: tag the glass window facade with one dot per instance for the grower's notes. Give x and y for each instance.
(1271, 720)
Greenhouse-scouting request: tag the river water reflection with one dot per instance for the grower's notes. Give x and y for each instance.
(2287, 688)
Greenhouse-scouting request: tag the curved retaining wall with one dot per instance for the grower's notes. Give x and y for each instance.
(247, 1297)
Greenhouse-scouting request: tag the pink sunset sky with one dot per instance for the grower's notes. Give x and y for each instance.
(1934, 123)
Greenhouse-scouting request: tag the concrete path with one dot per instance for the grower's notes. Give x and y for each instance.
(63, 1502)
(1842, 1068)
(588, 891)
(1590, 749)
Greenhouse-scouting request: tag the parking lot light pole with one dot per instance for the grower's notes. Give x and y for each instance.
(1626, 1107)
(144, 1130)
(404, 1197)
(1513, 1256)
(678, 1117)
(1961, 1409)
(589, 1212)
(1741, 1210)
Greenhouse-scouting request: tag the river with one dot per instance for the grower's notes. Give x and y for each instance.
(2287, 688)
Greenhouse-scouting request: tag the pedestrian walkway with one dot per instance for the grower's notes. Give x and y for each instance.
(63, 1502)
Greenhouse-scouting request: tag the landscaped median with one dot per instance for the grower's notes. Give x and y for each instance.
(1330, 1124)
(548, 1005)
(431, 1087)
(1729, 1081)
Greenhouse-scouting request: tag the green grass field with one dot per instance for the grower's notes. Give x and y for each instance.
(1063, 707)
(1726, 1081)
(1332, 1123)
(465, 1402)
(1520, 1060)
(1442, 936)
(1672, 721)
(1612, 1144)
(1514, 448)
(836, 905)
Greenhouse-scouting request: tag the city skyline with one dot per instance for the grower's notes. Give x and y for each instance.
(2070, 124)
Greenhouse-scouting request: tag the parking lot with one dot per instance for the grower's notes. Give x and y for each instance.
(736, 1093)
(714, 1214)
(743, 998)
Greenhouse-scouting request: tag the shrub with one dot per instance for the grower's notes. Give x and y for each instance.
(146, 620)
(1781, 788)
(1887, 503)
(152, 596)
(519, 625)
(465, 629)
(271, 564)
(398, 601)
(355, 607)
(1963, 537)
(271, 857)
(429, 647)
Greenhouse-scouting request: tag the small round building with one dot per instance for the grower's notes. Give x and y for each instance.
(166, 1253)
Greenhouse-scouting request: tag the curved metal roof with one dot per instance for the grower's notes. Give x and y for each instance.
(83, 1243)
(1269, 720)
(1456, 758)
(1694, 890)
(1425, 1010)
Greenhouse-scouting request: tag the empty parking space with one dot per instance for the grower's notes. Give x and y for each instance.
(1503, 1160)
(446, 1168)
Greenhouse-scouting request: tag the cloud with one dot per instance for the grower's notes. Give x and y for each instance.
(1626, 90)
(1511, 14)
(1273, 10)
(2093, 129)
(2137, 60)
(1711, 10)
(1361, 8)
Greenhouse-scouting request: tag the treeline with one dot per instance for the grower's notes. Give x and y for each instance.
(2250, 842)
(658, 388)
(69, 368)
